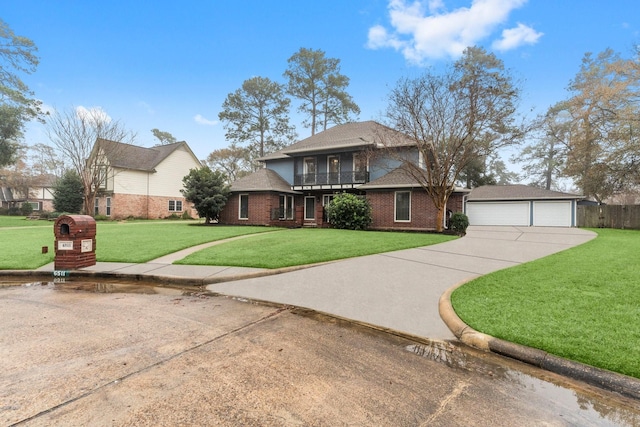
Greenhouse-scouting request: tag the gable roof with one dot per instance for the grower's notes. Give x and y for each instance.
(262, 180)
(128, 156)
(345, 136)
(516, 192)
(398, 178)
(6, 195)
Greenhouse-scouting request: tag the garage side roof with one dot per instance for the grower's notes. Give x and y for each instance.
(517, 192)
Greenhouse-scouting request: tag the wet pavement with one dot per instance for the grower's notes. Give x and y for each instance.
(100, 353)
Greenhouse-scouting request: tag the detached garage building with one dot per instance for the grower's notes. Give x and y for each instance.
(521, 205)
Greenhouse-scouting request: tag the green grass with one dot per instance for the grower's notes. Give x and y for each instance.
(137, 241)
(307, 246)
(21, 221)
(582, 304)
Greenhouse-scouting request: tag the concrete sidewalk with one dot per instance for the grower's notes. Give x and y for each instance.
(400, 290)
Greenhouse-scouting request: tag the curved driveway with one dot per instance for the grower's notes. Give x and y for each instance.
(400, 290)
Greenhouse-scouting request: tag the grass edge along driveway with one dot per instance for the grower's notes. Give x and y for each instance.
(582, 304)
(308, 246)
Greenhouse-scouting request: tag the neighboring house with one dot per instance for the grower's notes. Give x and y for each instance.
(521, 205)
(300, 180)
(39, 195)
(143, 182)
(6, 198)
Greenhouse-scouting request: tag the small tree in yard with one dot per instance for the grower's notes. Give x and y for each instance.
(68, 193)
(348, 211)
(207, 191)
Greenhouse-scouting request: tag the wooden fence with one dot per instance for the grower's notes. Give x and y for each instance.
(609, 216)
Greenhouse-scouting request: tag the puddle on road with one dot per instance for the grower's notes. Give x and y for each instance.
(103, 287)
(585, 404)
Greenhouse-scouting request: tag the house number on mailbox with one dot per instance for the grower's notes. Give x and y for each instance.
(65, 245)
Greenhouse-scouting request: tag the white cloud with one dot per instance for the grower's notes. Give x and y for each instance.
(516, 37)
(93, 114)
(439, 33)
(204, 121)
(146, 107)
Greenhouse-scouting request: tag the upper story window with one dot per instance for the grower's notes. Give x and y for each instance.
(309, 170)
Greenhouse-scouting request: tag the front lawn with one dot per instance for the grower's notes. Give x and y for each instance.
(582, 304)
(22, 221)
(138, 241)
(307, 246)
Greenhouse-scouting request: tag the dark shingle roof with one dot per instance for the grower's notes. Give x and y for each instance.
(348, 135)
(516, 192)
(127, 156)
(262, 180)
(397, 178)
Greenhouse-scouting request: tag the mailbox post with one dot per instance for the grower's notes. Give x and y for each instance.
(75, 242)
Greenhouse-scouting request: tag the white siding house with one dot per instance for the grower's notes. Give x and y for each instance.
(144, 182)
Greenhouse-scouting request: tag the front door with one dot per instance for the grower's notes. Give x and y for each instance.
(309, 208)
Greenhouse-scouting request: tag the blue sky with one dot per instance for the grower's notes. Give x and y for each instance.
(170, 64)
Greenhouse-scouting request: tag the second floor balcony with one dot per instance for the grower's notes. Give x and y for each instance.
(344, 179)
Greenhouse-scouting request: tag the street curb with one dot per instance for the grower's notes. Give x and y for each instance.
(607, 380)
(146, 277)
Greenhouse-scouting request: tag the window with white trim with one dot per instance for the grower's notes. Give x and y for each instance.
(402, 206)
(35, 205)
(108, 206)
(96, 207)
(243, 207)
(286, 209)
(175, 205)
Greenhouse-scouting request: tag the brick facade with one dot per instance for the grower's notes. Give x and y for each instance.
(423, 212)
(140, 206)
(261, 205)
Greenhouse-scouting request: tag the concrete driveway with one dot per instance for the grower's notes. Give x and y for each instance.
(400, 290)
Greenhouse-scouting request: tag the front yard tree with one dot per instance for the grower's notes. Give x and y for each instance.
(316, 81)
(455, 117)
(207, 190)
(68, 193)
(74, 132)
(257, 116)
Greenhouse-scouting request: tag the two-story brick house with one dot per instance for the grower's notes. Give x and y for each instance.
(298, 181)
(143, 182)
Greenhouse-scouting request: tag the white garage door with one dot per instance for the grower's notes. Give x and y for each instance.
(498, 213)
(552, 214)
